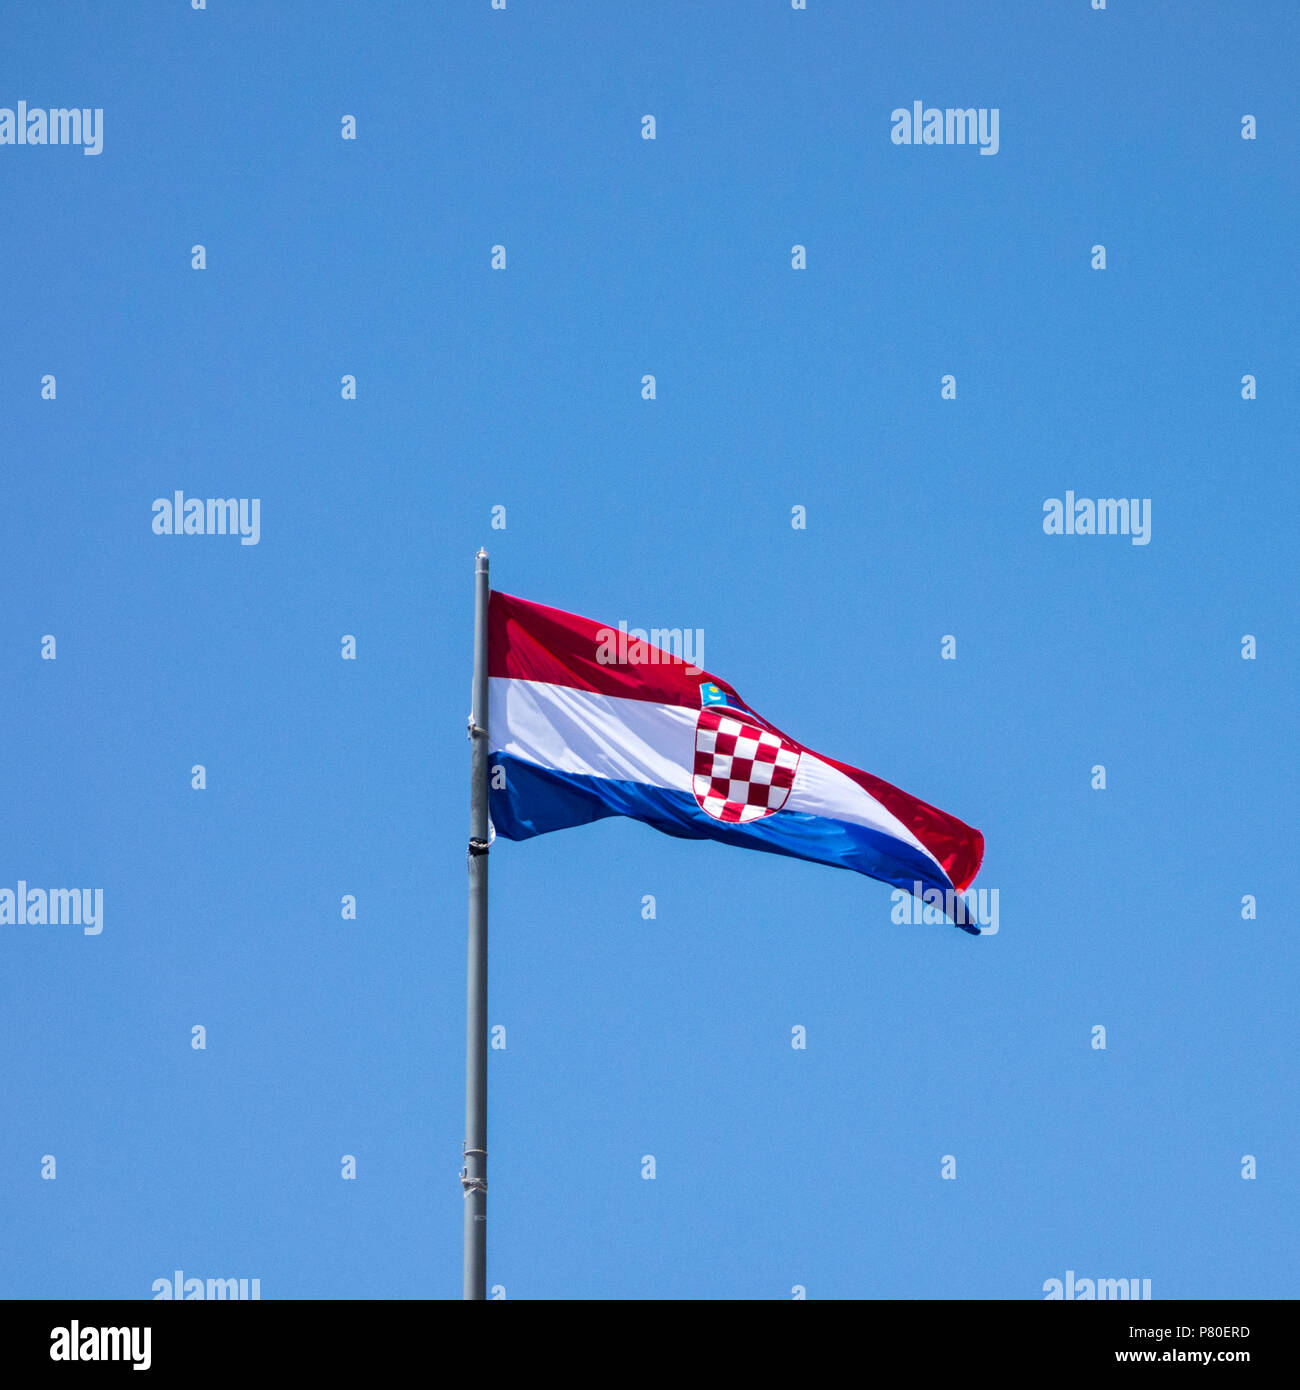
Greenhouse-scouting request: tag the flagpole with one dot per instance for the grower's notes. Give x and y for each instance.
(474, 1174)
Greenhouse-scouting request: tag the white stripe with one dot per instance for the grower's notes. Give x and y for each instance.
(822, 790)
(592, 735)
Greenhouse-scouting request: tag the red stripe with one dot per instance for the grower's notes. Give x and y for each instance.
(956, 845)
(532, 642)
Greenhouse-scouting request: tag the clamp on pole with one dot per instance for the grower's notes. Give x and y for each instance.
(468, 1183)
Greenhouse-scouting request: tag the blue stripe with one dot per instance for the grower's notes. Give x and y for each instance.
(536, 800)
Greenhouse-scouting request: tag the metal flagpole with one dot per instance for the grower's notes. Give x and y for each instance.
(474, 1174)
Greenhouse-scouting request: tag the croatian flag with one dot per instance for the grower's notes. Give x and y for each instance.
(585, 723)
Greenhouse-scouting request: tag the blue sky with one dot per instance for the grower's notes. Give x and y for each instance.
(775, 388)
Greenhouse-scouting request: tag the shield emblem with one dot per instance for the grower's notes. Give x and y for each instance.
(743, 771)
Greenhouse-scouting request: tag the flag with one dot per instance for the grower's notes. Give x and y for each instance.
(587, 721)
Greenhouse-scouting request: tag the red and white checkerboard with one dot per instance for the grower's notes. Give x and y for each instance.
(743, 772)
